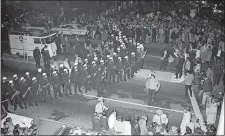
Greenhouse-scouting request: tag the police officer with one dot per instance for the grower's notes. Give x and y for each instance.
(45, 86)
(93, 70)
(133, 64)
(66, 82)
(110, 69)
(14, 95)
(25, 92)
(61, 69)
(56, 84)
(138, 56)
(100, 78)
(35, 91)
(179, 66)
(28, 79)
(119, 54)
(85, 77)
(119, 69)
(4, 94)
(46, 58)
(16, 81)
(39, 74)
(126, 68)
(74, 77)
(37, 56)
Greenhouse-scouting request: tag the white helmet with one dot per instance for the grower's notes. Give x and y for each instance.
(132, 53)
(138, 47)
(101, 61)
(44, 74)
(61, 65)
(34, 78)
(114, 53)
(27, 73)
(95, 58)
(126, 57)
(75, 64)
(65, 70)
(119, 58)
(53, 66)
(54, 72)
(93, 62)
(39, 70)
(15, 75)
(10, 81)
(108, 56)
(111, 58)
(22, 78)
(118, 48)
(4, 78)
(84, 65)
(86, 60)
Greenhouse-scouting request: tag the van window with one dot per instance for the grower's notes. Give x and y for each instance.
(37, 41)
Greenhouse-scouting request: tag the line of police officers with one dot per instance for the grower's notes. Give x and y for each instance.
(95, 69)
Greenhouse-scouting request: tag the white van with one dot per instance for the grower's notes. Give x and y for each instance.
(23, 41)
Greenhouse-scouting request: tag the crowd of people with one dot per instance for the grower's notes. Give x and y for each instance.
(9, 128)
(115, 124)
(197, 50)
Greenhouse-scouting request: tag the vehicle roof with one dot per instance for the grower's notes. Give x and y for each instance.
(30, 32)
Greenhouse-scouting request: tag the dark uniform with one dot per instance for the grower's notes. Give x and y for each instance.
(25, 94)
(66, 82)
(85, 79)
(93, 71)
(110, 71)
(96, 123)
(104, 123)
(179, 67)
(4, 95)
(133, 65)
(74, 77)
(138, 58)
(126, 69)
(118, 70)
(99, 81)
(56, 86)
(35, 92)
(46, 59)
(37, 57)
(16, 99)
(60, 75)
(45, 86)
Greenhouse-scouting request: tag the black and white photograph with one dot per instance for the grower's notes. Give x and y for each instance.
(128, 67)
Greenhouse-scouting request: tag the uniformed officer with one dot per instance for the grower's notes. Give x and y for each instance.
(119, 54)
(126, 68)
(138, 56)
(16, 82)
(56, 85)
(119, 69)
(100, 78)
(66, 82)
(28, 79)
(60, 75)
(45, 86)
(4, 94)
(123, 50)
(25, 92)
(39, 75)
(74, 77)
(93, 71)
(115, 57)
(110, 70)
(142, 56)
(96, 60)
(35, 91)
(14, 95)
(85, 77)
(133, 64)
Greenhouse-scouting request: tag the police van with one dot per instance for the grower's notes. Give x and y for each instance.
(23, 41)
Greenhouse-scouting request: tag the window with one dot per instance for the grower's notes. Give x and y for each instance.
(37, 41)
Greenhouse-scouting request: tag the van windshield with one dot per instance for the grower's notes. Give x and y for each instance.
(48, 40)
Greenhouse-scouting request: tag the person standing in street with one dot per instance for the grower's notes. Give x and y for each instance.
(37, 57)
(4, 94)
(46, 59)
(164, 60)
(188, 79)
(56, 84)
(74, 77)
(35, 91)
(151, 87)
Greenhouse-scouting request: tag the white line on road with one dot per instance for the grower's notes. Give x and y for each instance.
(137, 104)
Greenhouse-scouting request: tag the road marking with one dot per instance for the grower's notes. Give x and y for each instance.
(137, 104)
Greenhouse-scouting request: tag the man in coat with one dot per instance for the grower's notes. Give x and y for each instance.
(74, 77)
(96, 122)
(37, 57)
(104, 122)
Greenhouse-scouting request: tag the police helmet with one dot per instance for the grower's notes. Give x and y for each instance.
(27, 74)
